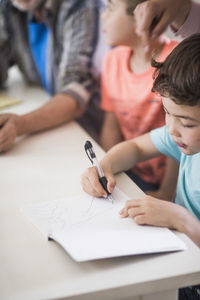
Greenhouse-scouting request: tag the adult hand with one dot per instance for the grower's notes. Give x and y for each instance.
(153, 16)
(155, 212)
(8, 131)
(91, 184)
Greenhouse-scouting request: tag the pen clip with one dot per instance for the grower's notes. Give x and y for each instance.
(88, 149)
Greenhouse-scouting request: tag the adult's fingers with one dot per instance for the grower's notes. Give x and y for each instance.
(149, 22)
(144, 14)
(3, 135)
(3, 120)
(7, 135)
(161, 26)
(6, 145)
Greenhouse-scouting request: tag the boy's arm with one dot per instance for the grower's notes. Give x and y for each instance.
(168, 185)
(126, 154)
(191, 227)
(110, 132)
(119, 158)
(156, 212)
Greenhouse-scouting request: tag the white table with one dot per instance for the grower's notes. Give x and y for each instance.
(45, 167)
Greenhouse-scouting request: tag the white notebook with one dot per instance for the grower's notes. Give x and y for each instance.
(90, 228)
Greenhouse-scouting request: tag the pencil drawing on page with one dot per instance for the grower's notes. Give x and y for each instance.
(65, 215)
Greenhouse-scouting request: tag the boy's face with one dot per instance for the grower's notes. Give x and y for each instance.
(183, 122)
(119, 27)
(26, 5)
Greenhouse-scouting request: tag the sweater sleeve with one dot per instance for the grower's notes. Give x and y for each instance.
(5, 46)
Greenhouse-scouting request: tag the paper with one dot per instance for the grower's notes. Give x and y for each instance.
(90, 228)
(7, 101)
(70, 212)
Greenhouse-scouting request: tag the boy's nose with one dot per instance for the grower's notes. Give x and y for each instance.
(173, 129)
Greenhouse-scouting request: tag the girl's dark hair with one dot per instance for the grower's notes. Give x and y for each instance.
(178, 77)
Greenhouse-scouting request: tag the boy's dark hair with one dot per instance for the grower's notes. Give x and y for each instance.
(178, 77)
(131, 5)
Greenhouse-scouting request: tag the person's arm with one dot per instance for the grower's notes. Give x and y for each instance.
(120, 158)
(75, 80)
(127, 154)
(156, 212)
(110, 133)
(191, 227)
(153, 17)
(58, 110)
(167, 187)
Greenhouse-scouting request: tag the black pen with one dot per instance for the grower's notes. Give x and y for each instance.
(92, 157)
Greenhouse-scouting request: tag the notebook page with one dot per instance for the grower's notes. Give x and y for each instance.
(90, 228)
(112, 236)
(58, 215)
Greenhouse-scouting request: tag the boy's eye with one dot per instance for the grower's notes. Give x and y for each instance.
(188, 126)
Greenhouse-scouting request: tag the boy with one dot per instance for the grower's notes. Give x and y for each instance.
(177, 82)
(127, 79)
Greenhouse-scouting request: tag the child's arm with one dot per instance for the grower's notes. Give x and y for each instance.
(119, 158)
(156, 212)
(110, 132)
(168, 185)
(126, 154)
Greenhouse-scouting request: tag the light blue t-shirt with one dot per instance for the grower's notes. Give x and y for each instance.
(188, 186)
(38, 39)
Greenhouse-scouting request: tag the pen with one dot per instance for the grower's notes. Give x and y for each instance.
(92, 157)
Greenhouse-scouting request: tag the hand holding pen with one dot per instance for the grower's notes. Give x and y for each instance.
(94, 182)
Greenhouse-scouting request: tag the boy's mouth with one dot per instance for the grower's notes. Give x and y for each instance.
(181, 145)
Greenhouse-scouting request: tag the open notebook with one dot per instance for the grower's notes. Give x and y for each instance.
(90, 228)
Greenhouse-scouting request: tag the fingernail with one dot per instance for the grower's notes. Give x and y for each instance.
(111, 189)
(121, 214)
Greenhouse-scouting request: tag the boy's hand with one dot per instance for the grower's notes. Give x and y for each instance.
(8, 131)
(155, 212)
(91, 184)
